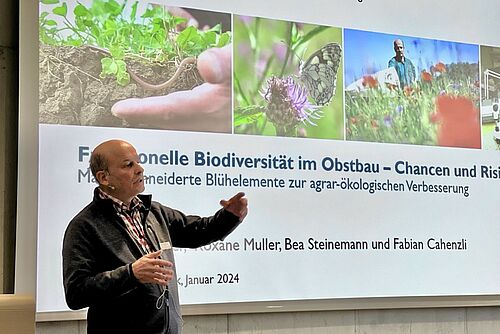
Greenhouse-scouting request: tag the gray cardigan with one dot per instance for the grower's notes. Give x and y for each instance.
(98, 254)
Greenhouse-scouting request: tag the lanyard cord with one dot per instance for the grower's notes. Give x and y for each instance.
(163, 299)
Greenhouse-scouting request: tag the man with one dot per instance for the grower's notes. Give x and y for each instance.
(113, 261)
(404, 67)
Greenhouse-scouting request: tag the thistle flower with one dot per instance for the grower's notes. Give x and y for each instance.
(288, 105)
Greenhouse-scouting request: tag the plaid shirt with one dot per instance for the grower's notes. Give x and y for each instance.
(131, 216)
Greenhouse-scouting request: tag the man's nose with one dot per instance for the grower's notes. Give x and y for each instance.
(139, 169)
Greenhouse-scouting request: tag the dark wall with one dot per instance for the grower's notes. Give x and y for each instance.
(9, 52)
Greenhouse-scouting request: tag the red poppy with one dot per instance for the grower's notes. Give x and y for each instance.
(374, 124)
(426, 76)
(391, 86)
(408, 90)
(369, 81)
(354, 120)
(458, 121)
(440, 67)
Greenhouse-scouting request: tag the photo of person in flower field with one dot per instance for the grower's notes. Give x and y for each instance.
(287, 79)
(411, 90)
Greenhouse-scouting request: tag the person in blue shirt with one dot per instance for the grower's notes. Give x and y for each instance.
(404, 67)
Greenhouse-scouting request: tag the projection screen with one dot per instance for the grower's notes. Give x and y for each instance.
(369, 178)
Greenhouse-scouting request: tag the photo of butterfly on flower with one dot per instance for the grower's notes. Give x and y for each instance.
(288, 82)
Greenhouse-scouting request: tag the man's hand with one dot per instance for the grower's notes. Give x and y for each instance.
(204, 108)
(237, 205)
(151, 269)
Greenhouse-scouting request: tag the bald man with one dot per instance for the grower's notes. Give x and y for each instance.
(404, 67)
(117, 252)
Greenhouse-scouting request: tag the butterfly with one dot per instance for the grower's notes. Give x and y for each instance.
(319, 73)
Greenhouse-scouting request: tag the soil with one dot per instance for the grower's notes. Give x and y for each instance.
(72, 92)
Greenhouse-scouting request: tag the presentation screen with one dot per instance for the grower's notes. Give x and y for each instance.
(369, 155)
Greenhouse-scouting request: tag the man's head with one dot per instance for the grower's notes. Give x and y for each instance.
(399, 49)
(115, 166)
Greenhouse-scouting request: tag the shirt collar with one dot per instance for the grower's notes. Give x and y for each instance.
(135, 203)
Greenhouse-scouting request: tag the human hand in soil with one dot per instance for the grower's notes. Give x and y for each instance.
(181, 12)
(204, 108)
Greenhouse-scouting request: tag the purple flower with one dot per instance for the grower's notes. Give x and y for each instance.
(261, 63)
(388, 121)
(288, 105)
(279, 50)
(399, 109)
(246, 19)
(244, 50)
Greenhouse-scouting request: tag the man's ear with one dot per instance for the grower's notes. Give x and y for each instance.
(102, 177)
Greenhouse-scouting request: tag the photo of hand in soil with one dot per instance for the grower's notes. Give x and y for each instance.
(142, 65)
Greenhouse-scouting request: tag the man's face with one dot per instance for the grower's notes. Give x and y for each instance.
(124, 172)
(399, 48)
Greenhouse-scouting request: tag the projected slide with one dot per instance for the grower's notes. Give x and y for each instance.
(429, 97)
(275, 73)
(490, 106)
(362, 154)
